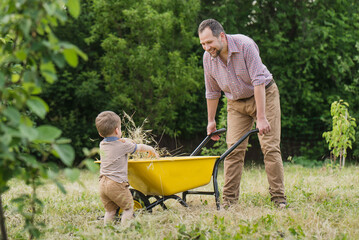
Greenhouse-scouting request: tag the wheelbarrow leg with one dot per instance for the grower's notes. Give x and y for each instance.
(180, 200)
(215, 184)
(184, 196)
(216, 194)
(160, 201)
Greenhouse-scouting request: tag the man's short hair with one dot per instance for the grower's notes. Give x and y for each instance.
(214, 25)
(107, 122)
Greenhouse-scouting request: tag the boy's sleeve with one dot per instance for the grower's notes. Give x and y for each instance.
(134, 150)
(129, 145)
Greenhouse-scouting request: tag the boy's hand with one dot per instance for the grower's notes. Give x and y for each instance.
(145, 148)
(152, 153)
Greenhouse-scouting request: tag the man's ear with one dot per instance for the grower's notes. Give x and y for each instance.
(223, 36)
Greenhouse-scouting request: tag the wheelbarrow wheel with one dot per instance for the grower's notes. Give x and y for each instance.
(140, 202)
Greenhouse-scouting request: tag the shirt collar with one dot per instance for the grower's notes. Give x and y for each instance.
(110, 139)
(232, 47)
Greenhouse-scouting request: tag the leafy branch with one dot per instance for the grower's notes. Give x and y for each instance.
(343, 133)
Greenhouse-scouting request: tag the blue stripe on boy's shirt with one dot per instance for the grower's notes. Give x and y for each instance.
(135, 148)
(110, 139)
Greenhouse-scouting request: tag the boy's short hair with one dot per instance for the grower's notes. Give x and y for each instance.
(107, 122)
(213, 24)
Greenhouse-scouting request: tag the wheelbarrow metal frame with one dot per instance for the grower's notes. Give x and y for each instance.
(216, 165)
(160, 200)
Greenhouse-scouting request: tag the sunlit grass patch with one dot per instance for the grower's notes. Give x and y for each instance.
(323, 204)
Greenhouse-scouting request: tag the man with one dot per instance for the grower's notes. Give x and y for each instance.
(232, 64)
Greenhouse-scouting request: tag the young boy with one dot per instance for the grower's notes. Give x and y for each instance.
(114, 150)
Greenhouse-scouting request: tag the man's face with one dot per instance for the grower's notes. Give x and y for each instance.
(210, 43)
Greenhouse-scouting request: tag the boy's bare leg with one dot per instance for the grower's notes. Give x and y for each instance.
(109, 216)
(127, 215)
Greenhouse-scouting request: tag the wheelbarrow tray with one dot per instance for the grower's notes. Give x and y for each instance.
(170, 175)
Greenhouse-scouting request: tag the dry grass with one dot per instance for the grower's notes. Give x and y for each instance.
(140, 135)
(324, 204)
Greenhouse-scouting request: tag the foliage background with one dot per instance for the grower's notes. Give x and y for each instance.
(29, 52)
(145, 58)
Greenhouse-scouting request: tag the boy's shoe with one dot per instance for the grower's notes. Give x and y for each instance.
(282, 205)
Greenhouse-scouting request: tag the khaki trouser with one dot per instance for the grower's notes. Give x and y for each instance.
(240, 119)
(114, 194)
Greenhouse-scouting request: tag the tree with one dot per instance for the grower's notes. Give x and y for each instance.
(79, 94)
(310, 48)
(343, 132)
(146, 59)
(30, 52)
(148, 65)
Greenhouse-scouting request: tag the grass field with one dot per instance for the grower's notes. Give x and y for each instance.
(324, 204)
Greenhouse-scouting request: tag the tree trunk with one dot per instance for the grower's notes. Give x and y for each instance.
(340, 159)
(2, 222)
(344, 147)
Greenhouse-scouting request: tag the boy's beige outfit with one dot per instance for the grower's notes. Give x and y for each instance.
(114, 187)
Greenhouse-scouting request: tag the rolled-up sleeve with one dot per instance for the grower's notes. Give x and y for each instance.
(213, 91)
(257, 71)
(129, 146)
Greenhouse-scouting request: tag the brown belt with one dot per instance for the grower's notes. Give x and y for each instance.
(268, 85)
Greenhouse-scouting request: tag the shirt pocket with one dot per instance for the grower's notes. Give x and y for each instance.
(242, 74)
(224, 86)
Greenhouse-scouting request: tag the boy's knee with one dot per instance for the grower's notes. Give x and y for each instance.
(127, 215)
(109, 216)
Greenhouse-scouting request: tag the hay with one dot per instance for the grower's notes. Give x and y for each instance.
(140, 135)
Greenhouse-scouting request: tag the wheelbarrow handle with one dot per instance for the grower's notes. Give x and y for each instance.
(225, 154)
(219, 131)
(206, 140)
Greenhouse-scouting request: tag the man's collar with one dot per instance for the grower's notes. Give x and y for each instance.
(232, 47)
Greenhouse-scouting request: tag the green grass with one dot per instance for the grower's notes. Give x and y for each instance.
(324, 204)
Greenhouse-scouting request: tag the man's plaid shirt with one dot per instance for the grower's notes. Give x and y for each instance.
(244, 70)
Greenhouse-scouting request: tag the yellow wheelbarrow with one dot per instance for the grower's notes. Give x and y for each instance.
(161, 179)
